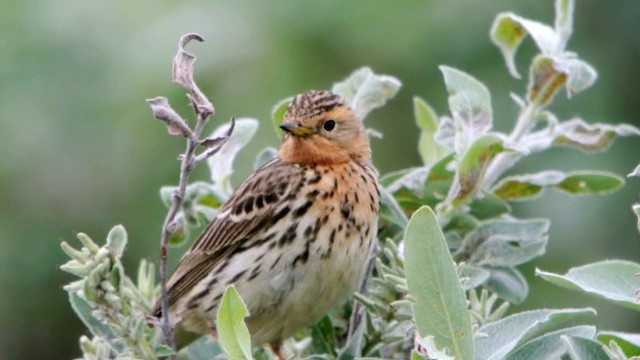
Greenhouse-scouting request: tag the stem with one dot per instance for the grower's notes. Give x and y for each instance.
(186, 166)
(503, 162)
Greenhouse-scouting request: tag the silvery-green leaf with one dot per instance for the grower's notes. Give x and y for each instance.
(440, 307)
(614, 280)
(265, 156)
(508, 31)
(427, 122)
(365, 91)
(581, 75)
(580, 348)
(470, 106)
(446, 133)
(508, 242)
(495, 340)
(635, 172)
(508, 283)
(221, 163)
(551, 345)
(564, 21)
(117, 240)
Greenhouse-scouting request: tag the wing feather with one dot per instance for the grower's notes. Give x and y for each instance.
(233, 226)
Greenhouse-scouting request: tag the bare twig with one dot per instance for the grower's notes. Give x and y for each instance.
(183, 64)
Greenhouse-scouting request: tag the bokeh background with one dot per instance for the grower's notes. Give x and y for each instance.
(81, 152)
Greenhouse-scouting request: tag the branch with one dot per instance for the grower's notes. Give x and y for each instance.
(182, 71)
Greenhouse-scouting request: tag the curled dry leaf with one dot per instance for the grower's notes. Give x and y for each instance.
(163, 111)
(183, 74)
(214, 144)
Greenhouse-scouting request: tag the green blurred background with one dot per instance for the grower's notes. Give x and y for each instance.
(81, 152)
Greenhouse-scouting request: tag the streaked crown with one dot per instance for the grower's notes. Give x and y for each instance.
(311, 104)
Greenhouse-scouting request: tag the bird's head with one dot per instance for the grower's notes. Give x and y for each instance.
(321, 129)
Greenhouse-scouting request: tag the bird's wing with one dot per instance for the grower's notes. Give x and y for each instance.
(248, 212)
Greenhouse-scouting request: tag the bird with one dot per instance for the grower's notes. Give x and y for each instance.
(295, 238)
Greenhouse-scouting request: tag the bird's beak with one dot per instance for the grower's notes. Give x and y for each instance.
(296, 129)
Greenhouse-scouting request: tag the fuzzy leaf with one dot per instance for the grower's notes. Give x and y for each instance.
(544, 80)
(488, 206)
(427, 121)
(614, 280)
(564, 21)
(365, 91)
(628, 342)
(581, 183)
(523, 187)
(509, 242)
(508, 283)
(470, 106)
(266, 155)
(233, 334)
(580, 348)
(277, 115)
(581, 75)
(590, 137)
(508, 31)
(497, 339)
(551, 345)
(440, 307)
(635, 172)
(473, 164)
(117, 240)
(203, 348)
(221, 163)
(353, 349)
(84, 311)
(323, 338)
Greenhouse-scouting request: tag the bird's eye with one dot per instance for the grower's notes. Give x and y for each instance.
(329, 125)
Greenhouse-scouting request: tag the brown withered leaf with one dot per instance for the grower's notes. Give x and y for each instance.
(183, 68)
(163, 111)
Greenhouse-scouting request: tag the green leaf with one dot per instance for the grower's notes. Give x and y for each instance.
(614, 280)
(545, 79)
(628, 342)
(233, 334)
(580, 348)
(523, 187)
(440, 307)
(564, 21)
(508, 242)
(580, 75)
(528, 186)
(323, 337)
(551, 345)
(365, 91)
(117, 240)
(221, 163)
(427, 121)
(508, 31)
(203, 348)
(84, 311)
(508, 283)
(473, 276)
(266, 155)
(353, 348)
(277, 115)
(472, 166)
(495, 340)
(470, 106)
(591, 138)
(488, 206)
(581, 183)
(390, 209)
